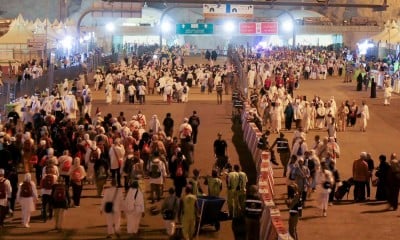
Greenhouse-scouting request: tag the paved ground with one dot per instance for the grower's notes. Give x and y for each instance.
(345, 220)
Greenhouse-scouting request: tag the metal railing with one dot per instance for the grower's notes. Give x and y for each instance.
(13, 89)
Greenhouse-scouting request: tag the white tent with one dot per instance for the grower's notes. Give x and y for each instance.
(389, 34)
(377, 37)
(19, 32)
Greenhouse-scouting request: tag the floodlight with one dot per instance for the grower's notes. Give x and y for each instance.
(166, 27)
(110, 27)
(287, 25)
(67, 42)
(229, 26)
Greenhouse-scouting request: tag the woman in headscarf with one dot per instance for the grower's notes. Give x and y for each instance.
(28, 151)
(77, 174)
(27, 196)
(154, 124)
(382, 173)
(324, 182)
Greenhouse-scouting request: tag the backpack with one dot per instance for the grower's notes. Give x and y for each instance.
(88, 99)
(50, 170)
(101, 172)
(184, 89)
(186, 131)
(2, 189)
(66, 166)
(47, 182)
(300, 150)
(76, 175)
(179, 170)
(59, 194)
(128, 166)
(146, 148)
(26, 190)
(27, 146)
(155, 171)
(194, 122)
(94, 155)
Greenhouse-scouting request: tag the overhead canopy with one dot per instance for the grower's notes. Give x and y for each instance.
(19, 33)
(390, 34)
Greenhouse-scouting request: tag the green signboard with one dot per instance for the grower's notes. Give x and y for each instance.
(194, 28)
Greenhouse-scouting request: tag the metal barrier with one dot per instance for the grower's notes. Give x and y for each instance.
(12, 89)
(272, 226)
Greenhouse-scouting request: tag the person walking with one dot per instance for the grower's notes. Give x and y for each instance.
(108, 93)
(242, 186)
(232, 183)
(194, 122)
(60, 202)
(214, 184)
(113, 197)
(101, 174)
(116, 154)
(364, 115)
(134, 208)
(77, 174)
(381, 173)
(120, 89)
(360, 177)
(294, 204)
(157, 173)
(282, 147)
(253, 212)
(179, 170)
(169, 209)
(27, 196)
(188, 214)
(5, 194)
(387, 93)
(219, 89)
(220, 152)
(324, 181)
(394, 182)
(168, 124)
(46, 184)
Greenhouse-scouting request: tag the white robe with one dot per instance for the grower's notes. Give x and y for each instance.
(27, 204)
(109, 90)
(134, 209)
(71, 106)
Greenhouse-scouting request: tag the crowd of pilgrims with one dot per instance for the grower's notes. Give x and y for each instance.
(274, 76)
(52, 134)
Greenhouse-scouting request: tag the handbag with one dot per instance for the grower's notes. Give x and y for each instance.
(34, 159)
(109, 206)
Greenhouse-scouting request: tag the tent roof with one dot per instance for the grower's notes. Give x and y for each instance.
(16, 35)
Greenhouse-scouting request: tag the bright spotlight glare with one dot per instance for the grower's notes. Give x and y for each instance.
(229, 27)
(110, 27)
(155, 57)
(166, 27)
(287, 25)
(67, 42)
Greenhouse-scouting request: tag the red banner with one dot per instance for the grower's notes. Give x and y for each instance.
(269, 27)
(248, 28)
(258, 28)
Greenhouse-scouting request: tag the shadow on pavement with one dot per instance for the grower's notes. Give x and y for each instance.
(375, 211)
